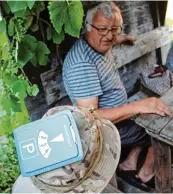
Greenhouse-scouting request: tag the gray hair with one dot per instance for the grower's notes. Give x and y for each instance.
(105, 7)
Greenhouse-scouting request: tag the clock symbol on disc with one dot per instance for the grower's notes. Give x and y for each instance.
(43, 145)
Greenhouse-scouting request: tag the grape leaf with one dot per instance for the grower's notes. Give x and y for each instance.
(24, 54)
(2, 25)
(5, 53)
(30, 4)
(41, 53)
(34, 90)
(57, 38)
(11, 27)
(15, 106)
(17, 5)
(6, 103)
(6, 7)
(30, 42)
(29, 20)
(5, 125)
(10, 104)
(73, 23)
(19, 89)
(9, 79)
(58, 14)
(34, 60)
(43, 60)
(3, 39)
(20, 13)
(68, 14)
(34, 27)
(14, 70)
(49, 33)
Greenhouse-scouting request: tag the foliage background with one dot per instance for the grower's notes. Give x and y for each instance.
(30, 31)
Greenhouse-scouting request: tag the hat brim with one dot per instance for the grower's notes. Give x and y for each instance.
(101, 175)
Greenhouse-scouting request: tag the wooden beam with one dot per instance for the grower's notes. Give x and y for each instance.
(144, 44)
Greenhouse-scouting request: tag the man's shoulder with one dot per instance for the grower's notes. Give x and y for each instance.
(79, 54)
(76, 53)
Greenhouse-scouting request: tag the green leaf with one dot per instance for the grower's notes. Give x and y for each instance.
(3, 39)
(19, 88)
(68, 14)
(11, 27)
(41, 46)
(34, 90)
(41, 52)
(57, 38)
(6, 7)
(49, 33)
(9, 79)
(20, 13)
(15, 105)
(73, 23)
(43, 60)
(14, 70)
(10, 103)
(6, 103)
(5, 53)
(30, 42)
(29, 20)
(5, 125)
(2, 26)
(30, 4)
(34, 28)
(24, 54)
(34, 60)
(58, 14)
(17, 5)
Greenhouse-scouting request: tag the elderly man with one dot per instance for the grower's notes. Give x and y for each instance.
(92, 80)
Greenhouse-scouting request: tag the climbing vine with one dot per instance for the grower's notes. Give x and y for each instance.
(19, 45)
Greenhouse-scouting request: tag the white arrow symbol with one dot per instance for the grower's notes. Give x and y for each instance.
(58, 138)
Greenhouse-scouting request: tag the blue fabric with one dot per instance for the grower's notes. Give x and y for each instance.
(132, 134)
(87, 73)
(169, 62)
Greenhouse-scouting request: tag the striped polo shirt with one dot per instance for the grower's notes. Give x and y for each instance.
(87, 73)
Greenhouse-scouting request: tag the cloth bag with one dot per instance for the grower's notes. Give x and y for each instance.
(158, 85)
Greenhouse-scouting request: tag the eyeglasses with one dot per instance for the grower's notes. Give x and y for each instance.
(104, 31)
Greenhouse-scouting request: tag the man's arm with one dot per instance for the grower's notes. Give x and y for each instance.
(148, 105)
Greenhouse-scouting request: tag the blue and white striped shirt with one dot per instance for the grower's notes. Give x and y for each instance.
(87, 73)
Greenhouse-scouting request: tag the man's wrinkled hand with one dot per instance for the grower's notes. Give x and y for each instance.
(129, 39)
(153, 105)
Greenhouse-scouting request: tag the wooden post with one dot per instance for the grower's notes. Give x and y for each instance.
(162, 166)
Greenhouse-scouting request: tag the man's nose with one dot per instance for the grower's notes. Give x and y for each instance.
(109, 35)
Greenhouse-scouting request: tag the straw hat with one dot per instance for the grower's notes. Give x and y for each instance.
(101, 146)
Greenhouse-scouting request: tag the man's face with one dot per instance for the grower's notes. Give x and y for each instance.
(102, 43)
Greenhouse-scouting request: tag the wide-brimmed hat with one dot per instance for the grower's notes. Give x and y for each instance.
(101, 146)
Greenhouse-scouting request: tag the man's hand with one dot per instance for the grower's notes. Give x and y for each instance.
(129, 39)
(125, 39)
(153, 105)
